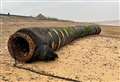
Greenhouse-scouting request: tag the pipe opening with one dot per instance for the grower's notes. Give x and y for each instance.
(21, 47)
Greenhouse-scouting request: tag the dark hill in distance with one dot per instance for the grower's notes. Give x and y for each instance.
(19, 18)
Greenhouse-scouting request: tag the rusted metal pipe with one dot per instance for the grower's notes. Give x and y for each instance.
(30, 44)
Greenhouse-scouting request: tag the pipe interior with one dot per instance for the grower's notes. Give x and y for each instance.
(20, 46)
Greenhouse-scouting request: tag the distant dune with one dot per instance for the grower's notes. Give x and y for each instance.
(110, 23)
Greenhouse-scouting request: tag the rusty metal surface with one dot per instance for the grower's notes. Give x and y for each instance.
(31, 44)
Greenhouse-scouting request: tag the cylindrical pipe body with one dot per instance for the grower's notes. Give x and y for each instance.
(40, 43)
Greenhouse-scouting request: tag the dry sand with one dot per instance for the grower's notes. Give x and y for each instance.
(90, 59)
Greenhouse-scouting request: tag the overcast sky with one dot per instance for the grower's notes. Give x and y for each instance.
(79, 10)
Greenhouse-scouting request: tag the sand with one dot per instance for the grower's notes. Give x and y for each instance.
(90, 59)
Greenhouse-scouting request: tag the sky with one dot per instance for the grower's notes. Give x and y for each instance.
(77, 10)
